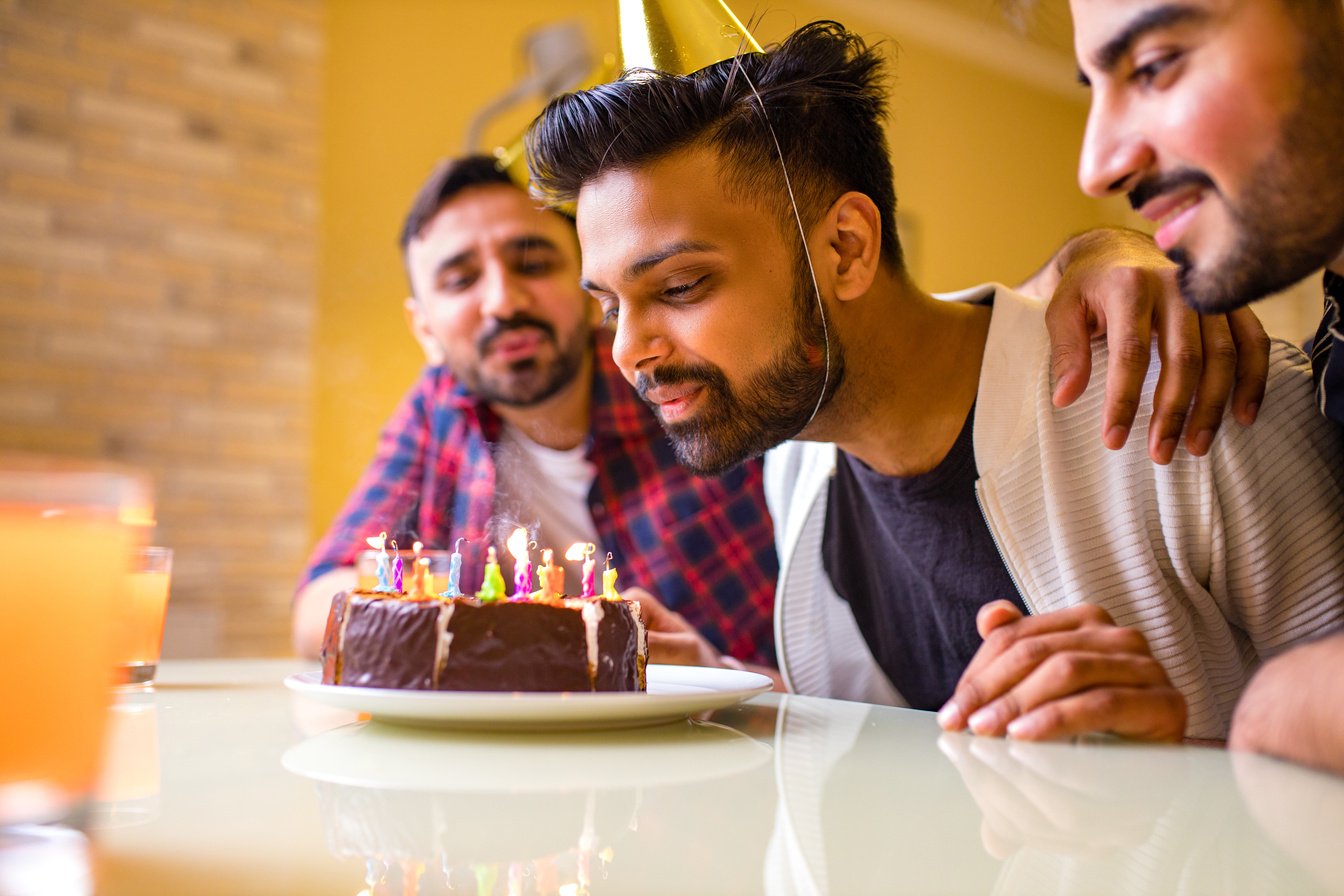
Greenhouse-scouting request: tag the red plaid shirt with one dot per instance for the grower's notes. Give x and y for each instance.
(704, 546)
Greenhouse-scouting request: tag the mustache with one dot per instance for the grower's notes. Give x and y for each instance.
(675, 375)
(520, 321)
(1165, 183)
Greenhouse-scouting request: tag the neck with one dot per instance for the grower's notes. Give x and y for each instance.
(561, 421)
(912, 371)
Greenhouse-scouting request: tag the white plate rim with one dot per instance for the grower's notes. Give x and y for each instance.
(674, 693)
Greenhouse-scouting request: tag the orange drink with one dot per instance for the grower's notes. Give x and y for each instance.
(66, 539)
(140, 618)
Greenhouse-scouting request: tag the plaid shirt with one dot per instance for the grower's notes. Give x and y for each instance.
(704, 546)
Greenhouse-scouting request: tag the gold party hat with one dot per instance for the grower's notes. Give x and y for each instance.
(511, 158)
(680, 36)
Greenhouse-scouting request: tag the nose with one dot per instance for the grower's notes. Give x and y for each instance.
(636, 347)
(502, 293)
(1114, 154)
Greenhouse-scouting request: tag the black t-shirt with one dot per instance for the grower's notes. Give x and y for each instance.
(1327, 352)
(914, 558)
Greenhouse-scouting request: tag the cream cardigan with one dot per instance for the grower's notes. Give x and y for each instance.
(1220, 561)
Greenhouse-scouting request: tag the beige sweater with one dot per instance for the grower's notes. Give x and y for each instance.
(1220, 561)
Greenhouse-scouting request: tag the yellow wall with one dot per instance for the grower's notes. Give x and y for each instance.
(985, 174)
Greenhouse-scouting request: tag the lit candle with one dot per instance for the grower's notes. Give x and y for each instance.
(609, 582)
(454, 571)
(552, 576)
(522, 564)
(492, 586)
(418, 571)
(580, 551)
(379, 544)
(396, 568)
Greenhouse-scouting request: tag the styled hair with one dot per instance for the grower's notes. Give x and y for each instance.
(450, 177)
(822, 92)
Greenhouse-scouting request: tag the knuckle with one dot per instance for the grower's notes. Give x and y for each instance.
(1222, 352)
(1189, 358)
(1094, 614)
(1064, 668)
(1130, 640)
(1132, 350)
(1029, 653)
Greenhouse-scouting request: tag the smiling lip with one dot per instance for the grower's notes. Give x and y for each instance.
(673, 402)
(1173, 212)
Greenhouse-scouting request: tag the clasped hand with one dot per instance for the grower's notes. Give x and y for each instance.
(1065, 673)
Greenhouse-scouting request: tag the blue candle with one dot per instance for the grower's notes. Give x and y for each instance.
(454, 571)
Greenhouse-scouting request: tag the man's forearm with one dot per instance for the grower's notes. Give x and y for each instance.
(311, 606)
(1292, 708)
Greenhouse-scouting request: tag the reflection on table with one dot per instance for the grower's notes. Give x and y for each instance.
(473, 812)
(263, 793)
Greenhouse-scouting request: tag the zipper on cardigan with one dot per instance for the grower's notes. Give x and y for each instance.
(1003, 558)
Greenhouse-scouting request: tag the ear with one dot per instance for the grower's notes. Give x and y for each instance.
(418, 323)
(856, 241)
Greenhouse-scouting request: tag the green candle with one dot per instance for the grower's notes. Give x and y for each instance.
(492, 587)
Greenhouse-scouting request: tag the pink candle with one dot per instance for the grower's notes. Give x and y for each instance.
(586, 551)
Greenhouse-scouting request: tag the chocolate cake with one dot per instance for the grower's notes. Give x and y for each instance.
(386, 640)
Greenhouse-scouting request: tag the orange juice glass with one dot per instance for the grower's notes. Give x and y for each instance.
(67, 534)
(140, 618)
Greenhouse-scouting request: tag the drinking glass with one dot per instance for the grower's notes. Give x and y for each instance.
(140, 618)
(67, 536)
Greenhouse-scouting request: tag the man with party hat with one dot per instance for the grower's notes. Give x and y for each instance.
(737, 224)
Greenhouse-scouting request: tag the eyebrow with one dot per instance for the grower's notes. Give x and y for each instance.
(646, 262)
(1108, 56)
(523, 243)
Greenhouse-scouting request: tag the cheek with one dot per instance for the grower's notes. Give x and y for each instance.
(1223, 126)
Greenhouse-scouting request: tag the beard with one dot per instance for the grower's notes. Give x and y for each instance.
(1290, 220)
(530, 381)
(772, 406)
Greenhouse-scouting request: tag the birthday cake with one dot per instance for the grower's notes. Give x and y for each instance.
(533, 641)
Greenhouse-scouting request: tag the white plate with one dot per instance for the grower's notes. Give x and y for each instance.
(674, 693)
(384, 757)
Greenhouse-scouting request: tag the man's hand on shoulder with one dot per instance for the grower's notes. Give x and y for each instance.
(1116, 284)
(1070, 672)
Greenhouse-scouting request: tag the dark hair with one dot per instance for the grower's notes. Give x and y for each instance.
(822, 90)
(450, 177)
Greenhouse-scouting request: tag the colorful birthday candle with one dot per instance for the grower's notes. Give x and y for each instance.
(522, 563)
(552, 576)
(609, 582)
(492, 586)
(379, 544)
(580, 551)
(454, 571)
(396, 568)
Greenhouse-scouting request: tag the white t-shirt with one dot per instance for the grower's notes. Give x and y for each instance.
(546, 492)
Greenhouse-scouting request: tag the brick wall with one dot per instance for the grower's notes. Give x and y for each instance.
(158, 220)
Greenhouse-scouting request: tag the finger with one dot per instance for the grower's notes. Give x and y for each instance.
(1143, 713)
(1006, 634)
(1099, 659)
(1070, 326)
(994, 614)
(1215, 384)
(1129, 340)
(1252, 344)
(1180, 349)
